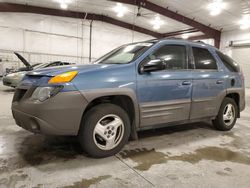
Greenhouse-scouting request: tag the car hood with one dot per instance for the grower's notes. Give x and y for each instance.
(25, 62)
(53, 71)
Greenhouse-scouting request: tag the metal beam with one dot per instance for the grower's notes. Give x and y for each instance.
(180, 32)
(209, 31)
(171, 14)
(200, 37)
(12, 7)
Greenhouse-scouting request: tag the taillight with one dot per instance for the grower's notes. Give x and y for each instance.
(242, 75)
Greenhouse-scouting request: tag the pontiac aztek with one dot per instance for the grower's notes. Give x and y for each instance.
(135, 87)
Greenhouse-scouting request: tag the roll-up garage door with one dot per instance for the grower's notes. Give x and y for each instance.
(242, 56)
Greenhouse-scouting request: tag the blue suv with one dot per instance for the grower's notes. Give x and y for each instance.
(137, 86)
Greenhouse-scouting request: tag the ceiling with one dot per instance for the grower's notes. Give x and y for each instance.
(197, 9)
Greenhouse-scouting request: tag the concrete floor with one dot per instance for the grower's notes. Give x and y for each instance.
(193, 155)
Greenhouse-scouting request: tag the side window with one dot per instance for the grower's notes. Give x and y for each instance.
(174, 56)
(203, 59)
(228, 62)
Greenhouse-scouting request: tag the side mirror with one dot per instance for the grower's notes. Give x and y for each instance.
(153, 65)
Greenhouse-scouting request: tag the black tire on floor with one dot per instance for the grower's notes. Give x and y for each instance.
(91, 118)
(219, 123)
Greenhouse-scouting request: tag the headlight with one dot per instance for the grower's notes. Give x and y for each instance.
(43, 93)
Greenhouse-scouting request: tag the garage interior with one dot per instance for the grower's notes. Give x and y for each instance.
(80, 31)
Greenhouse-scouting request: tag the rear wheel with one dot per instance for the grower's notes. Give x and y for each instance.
(227, 115)
(104, 131)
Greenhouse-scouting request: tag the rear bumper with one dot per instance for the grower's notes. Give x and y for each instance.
(59, 115)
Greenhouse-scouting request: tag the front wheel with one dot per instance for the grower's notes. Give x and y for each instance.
(104, 131)
(227, 115)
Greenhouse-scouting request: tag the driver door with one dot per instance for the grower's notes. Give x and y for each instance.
(165, 95)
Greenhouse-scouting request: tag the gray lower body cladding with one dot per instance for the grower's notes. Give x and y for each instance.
(59, 115)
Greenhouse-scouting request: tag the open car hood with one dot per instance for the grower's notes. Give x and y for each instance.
(25, 62)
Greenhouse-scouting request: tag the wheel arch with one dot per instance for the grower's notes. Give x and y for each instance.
(236, 97)
(125, 98)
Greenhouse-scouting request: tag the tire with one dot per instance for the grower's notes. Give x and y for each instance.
(224, 124)
(104, 131)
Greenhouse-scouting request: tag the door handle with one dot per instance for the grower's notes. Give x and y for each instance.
(186, 83)
(219, 82)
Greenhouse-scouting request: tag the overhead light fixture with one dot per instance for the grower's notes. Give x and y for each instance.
(245, 22)
(120, 10)
(64, 3)
(157, 22)
(216, 7)
(185, 36)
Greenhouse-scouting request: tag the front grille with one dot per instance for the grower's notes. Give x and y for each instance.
(19, 93)
(26, 87)
(6, 83)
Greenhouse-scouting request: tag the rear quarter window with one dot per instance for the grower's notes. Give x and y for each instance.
(203, 59)
(228, 62)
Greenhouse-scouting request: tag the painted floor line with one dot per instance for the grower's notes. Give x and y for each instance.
(135, 171)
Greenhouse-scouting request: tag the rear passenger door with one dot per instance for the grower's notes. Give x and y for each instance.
(165, 96)
(208, 83)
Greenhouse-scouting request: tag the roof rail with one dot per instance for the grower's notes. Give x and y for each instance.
(172, 38)
(199, 41)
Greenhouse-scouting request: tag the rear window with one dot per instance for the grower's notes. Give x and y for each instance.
(228, 62)
(203, 59)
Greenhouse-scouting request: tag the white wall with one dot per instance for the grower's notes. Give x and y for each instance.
(236, 35)
(239, 54)
(44, 38)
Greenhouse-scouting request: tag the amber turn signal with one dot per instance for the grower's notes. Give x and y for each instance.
(64, 77)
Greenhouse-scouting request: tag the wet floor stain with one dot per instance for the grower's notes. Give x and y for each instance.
(228, 169)
(85, 183)
(37, 150)
(222, 173)
(214, 154)
(172, 176)
(11, 163)
(146, 158)
(12, 180)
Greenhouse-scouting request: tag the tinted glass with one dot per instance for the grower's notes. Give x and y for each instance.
(52, 64)
(124, 54)
(174, 56)
(228, 62)
(203, 59)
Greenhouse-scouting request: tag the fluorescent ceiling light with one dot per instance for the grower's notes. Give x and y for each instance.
(185, 36)
(120, 10)
(216, 7)
(245, 22)
(157, 22)
(64, 3)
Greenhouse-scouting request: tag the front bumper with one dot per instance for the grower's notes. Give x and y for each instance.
(58, 115)
(12, 82)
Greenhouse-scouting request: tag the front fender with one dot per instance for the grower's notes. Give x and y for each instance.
(91, 95)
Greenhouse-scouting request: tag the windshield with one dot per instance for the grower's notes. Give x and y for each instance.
(42, 65)
(124, 54)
